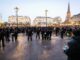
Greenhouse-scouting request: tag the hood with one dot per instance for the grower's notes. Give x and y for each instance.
(77, 38)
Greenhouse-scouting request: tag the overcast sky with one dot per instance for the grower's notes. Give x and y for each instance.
(33, 8)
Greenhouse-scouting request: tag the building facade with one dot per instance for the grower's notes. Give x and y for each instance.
(21, 20)
(76, 19)
(43, 21)
(1, 22)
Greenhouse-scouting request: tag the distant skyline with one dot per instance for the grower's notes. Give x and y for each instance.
(34, 8)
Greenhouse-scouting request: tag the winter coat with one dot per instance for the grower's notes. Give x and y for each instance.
(73, 52)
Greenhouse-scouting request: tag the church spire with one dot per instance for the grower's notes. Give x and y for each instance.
(68, 8)
(68, 17)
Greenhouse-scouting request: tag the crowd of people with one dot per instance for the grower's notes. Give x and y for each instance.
(5, 35)
(41, 32)
(45, 33)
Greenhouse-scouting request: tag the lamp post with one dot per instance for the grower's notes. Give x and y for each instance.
(46, 16)
(16, 8)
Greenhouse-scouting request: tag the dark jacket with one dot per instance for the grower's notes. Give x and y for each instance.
(73, 52)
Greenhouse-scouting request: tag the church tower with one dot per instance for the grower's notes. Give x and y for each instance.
(68, 16)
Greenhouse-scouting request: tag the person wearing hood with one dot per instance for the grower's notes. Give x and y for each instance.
(73, 51)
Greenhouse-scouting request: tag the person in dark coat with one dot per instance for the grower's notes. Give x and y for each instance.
(62, 32)
(14, 35)
(57, 31)
(38, 33)
(2, 37)
(7, 34)
(73, 52)
(29, 34)
(42, 34)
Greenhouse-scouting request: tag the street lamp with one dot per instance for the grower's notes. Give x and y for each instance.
(16, 8)
(46, 16)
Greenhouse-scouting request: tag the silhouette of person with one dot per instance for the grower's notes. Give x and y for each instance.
(73, 52)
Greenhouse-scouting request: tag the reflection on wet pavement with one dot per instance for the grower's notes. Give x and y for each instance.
(33, 50)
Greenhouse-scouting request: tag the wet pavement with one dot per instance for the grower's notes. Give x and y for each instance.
(36, 49)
